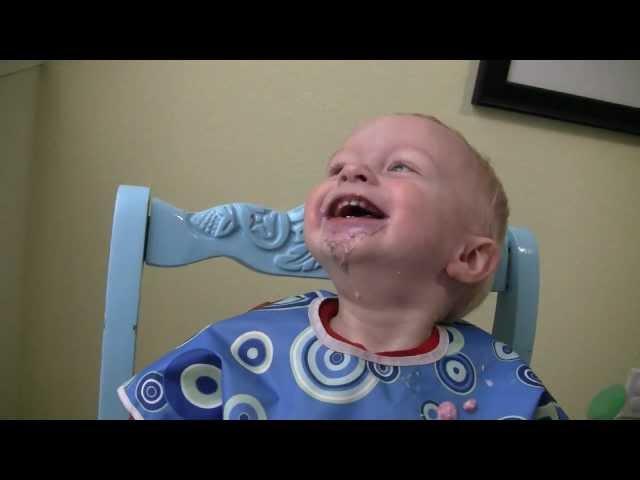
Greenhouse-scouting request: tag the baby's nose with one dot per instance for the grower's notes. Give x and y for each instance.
(354, 172)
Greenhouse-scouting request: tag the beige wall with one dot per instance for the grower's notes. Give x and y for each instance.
(203, 133)
(18, 92)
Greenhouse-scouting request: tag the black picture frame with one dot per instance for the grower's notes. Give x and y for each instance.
(492, 89)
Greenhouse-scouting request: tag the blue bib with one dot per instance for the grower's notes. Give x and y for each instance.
(277, 362)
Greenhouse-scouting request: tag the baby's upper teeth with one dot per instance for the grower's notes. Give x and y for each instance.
(353, 203)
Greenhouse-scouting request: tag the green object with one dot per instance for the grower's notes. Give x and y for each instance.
(608, 403)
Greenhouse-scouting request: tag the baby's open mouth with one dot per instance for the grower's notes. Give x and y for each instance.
(354, 206)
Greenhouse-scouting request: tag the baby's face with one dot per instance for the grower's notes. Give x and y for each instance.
(396, 193)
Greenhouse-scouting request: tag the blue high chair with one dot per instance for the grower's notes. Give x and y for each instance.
(148, 231)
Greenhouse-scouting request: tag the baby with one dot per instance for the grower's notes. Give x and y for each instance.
(408, 224)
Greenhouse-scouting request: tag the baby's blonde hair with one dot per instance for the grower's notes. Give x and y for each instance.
(497, 206)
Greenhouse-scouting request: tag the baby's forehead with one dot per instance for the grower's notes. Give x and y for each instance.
(391, 132)
(408, 128)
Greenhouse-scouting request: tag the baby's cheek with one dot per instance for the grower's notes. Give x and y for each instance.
(314, 200)
(310, 233)
(311, 219)
(416, 227)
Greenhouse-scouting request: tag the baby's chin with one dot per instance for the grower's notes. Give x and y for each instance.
(345, 229)
(346, 247)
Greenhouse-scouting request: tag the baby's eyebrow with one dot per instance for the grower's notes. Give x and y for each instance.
(332, 157)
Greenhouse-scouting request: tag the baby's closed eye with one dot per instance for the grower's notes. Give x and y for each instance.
(335, 169)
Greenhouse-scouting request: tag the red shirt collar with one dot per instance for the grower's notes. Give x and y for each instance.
(329, 308)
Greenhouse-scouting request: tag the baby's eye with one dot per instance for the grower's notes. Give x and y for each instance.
(335, 169)
(400, 167)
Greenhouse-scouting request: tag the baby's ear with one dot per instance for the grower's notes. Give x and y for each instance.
(475, 261)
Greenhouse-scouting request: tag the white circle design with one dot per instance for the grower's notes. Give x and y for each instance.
(504, 352)
(244, 399)
(344, 381)
(429, 410)
(456, 340)
(188, 384)
(152, 391)
(456, 370)
(335, 366)
(254, 351)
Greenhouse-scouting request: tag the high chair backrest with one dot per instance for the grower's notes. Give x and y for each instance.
(148, 231)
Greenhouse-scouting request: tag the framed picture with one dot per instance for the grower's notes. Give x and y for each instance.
(599, 93)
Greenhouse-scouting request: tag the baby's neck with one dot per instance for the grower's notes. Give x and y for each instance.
(387, 321)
